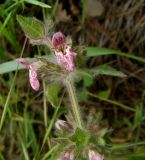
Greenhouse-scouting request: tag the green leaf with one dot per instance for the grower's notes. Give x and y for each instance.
(125, 146)
(113, 102)
(13, 65)
(104, 94)
(88, 81)
(138, 116)
(130, 156)
(52, 92)
(82, 95)
(6, 21)
(84, 4)
(10, 37)
(32, 140)
(48, 154)
(80, 138)
(33, 28)
(101, 141)
(94, 51)
(106, 70)
(37, 3)
(9, 67)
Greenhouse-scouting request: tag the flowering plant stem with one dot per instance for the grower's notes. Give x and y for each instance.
(74, 102)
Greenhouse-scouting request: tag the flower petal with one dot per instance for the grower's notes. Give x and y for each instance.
(94, 156)
(66, 59)
(23, 62)
(35, 84)
(32, 74)
(33, 79)
(58, 40)
(67, 156)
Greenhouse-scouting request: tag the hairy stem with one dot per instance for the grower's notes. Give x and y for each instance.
(74, 102)
(45, 111)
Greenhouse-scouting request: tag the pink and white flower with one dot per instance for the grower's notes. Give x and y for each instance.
(67, 156)
(58, 41)
(32, 67)
(64, 53)
(94, 156)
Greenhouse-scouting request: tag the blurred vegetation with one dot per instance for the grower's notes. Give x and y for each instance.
(93, 26)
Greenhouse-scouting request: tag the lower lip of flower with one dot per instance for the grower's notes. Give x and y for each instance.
(35, 84)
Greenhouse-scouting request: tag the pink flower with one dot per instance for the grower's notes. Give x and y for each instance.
(32, 67)
(66, 59)
(67, 156)
(33, 79)
(64, 53)
(58, 41)
(94, 156)
(23, 62)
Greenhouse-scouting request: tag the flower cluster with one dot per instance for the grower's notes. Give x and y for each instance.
(69, 154)
(92, 156)
(64, 56)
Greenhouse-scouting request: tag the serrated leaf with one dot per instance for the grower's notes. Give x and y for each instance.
(106, 70)
(33, 28)
(38, 3)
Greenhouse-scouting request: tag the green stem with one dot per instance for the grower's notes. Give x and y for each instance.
(45, 105)
(84, 4)
(74, 102)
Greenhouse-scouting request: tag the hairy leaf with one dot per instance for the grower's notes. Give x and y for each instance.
(33, 28)
(106, 70)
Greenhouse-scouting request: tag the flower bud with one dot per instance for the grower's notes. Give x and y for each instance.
(60, 124)
(58, 40)
(94, 156)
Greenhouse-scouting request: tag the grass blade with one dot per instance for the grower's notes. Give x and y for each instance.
(94, 51)
(38, 3)
(6, 21)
